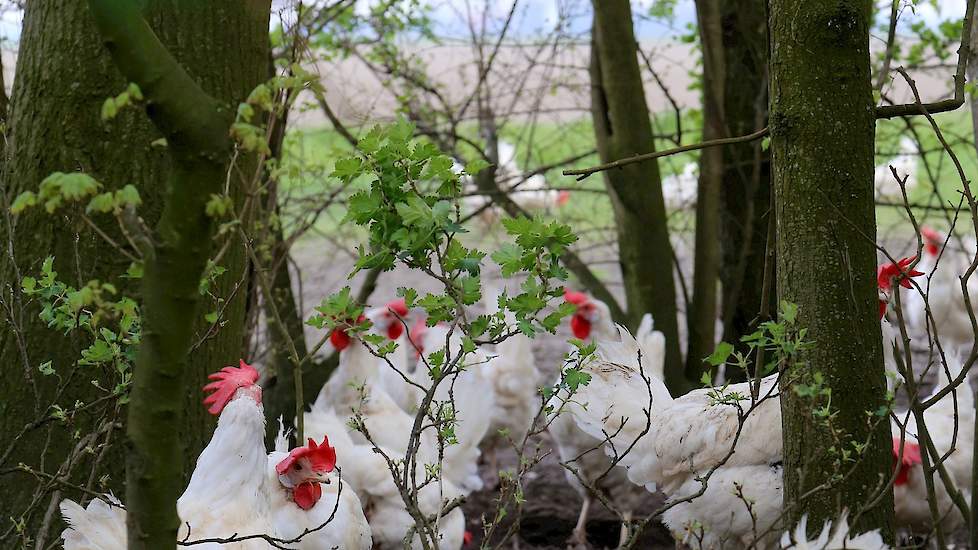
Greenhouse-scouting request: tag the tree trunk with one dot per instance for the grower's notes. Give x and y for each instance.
(622, 128)
(745, 208)
(195, 125)
(701, 318)
(63, 76)
(822, 136)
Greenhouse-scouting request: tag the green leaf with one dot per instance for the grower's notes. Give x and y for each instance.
(211, 317)
(347, 167)
(128, 196)
(103, 202)
(720, 354)
(574, 378)
(218, 206)
(135, 270)
(28, 284)
(134, 91)
(23, 201)
(509, 257)
(415, 212)
(475, 166)
(45, 368)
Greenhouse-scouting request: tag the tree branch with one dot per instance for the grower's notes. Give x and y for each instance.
(585, 172)
(964, 54)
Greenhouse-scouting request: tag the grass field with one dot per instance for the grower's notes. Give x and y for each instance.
(310, 155)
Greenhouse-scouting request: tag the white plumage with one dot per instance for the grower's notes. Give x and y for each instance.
(680, 190)
(905, 165)
(677, 440)
(834, 535)
(573, 443)
(99, 526)
(236, 490)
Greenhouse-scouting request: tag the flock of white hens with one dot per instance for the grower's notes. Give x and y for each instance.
(341, 493)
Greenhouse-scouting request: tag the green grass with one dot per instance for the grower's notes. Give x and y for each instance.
(310, 155)
(937, 177)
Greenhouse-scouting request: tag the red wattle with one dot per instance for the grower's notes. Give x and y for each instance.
(581, 327)
(307, 494)
(340, 339)
(882, 309)
(395, 330)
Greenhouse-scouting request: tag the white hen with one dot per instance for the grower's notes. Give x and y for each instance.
(593, 317)
(236, 488)
(834, 535)
(677, 440)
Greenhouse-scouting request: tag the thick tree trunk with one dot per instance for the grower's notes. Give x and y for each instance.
(622, 128)
(701, 318)
(822, 134)
(745, 209)
(195, 125)
(63, 76)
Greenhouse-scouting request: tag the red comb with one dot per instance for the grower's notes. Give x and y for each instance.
(576, 298)
(911, 457)
(398, 306)
(933, 240)
(416, 336)
(563, 197)
(226, 382)
(887, 272)
(322, 457)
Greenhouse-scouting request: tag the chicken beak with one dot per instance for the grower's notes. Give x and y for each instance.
(321, 477)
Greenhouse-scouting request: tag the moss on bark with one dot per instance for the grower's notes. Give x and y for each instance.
(822, 134)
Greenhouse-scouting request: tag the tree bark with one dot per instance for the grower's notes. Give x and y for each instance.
(195, 125)
(745, 207)
(622, 128)
(822, 137)
(701, 318)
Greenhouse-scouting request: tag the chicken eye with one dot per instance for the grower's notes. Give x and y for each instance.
(297, 466)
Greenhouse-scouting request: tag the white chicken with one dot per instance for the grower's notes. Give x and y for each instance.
(680, 190)
(370, 476)
(573, 444)
(943, 266)
(514, 376)
(950, 424)
(834, 535)
(676, 441)
(462, 396)
(236, 489)
(905, 165)
(686, 438)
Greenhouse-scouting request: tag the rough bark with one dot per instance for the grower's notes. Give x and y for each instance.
(745, 207)
(623, 129)
(54, 102)
(195, 125)
(822, 134)
(701, 318)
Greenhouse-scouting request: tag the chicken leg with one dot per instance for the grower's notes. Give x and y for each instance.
(578, 537)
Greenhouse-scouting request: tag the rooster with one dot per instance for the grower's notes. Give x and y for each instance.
(236, 489)
(573, 444)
